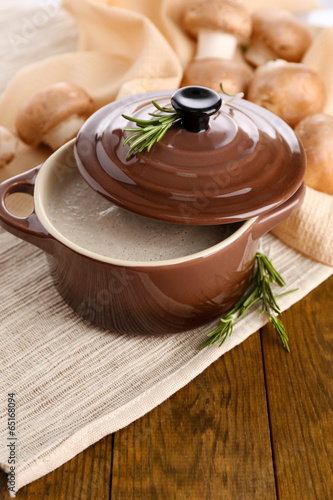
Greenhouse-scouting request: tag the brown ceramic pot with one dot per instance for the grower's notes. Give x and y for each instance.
(155, 297)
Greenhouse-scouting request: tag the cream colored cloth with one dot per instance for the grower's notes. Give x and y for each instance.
(310, 230)
(56, 363)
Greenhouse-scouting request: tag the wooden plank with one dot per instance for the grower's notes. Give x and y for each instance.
(86, 476)
(3, 485)
(208, 441)
(300, 387)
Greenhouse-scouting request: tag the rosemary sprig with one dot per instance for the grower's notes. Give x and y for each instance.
(150, 131)
(147, 132)
(261, 291)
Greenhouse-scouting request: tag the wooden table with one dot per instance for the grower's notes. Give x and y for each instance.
(257, 424)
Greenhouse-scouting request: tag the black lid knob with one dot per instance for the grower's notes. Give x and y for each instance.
(196, 105)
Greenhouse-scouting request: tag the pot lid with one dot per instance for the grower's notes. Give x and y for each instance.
(215, 165)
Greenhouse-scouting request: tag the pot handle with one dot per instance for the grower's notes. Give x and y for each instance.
(27, 228)
(266, 222)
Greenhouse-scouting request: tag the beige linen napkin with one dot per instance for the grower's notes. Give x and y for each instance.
(100, 381)
(310, 230)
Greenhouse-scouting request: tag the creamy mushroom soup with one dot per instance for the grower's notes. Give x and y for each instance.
(93, 223)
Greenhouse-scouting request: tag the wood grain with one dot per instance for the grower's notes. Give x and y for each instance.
(208, 441)
(299, 387)
(86, 476)
(3, 485)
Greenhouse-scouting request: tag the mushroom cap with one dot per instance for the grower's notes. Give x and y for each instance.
(290, 90)
(48, 108)
(8, 143)
(281, 32)
(211, 72)
(316, 134)
(229, 16)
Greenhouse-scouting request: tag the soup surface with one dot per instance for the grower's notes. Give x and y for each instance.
(95, 224)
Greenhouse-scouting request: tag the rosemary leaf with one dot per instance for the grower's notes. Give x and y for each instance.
(140, 122)
(149, 131)
(164, 110)
(133, 136)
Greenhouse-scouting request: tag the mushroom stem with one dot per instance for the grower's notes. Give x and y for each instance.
(63, 132)
(258, 53)
(212, 43)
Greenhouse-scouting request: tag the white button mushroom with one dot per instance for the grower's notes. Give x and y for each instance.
(316, 134)
(277, 34)
(219, 25)
(54, 115)
(8, 143)
(290, 90)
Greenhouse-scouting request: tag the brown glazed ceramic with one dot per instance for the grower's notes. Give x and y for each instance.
(247, 162)
(157, 297)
